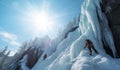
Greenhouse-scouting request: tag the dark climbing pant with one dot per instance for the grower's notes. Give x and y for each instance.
(90, 49)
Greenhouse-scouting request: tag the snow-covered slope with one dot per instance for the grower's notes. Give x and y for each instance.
(70, 54)
(62, 47)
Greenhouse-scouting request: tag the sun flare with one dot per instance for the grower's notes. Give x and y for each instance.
(40, 21)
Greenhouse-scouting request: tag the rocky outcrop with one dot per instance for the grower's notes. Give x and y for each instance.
(33, 54)
(112, 10)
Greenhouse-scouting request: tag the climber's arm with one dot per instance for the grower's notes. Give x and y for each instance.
(85, 45)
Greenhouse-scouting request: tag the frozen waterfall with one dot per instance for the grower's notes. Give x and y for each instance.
(70, 54)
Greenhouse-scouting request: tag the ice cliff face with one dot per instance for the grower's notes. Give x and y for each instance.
(70, 54)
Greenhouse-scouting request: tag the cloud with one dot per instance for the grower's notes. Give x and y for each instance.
(10, 38)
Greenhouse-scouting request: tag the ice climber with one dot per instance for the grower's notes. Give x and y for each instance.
(90, 46)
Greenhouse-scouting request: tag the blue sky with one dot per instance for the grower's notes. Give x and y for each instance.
(16, 25)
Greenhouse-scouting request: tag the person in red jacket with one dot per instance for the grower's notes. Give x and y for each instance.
(90, 46)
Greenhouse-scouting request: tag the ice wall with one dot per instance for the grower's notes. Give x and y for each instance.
(92, 18)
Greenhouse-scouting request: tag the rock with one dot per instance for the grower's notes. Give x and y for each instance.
(113, 16)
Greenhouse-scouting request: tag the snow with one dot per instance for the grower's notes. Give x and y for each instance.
(23, 63)
(62, 47)
(69, 54)
(95, 62)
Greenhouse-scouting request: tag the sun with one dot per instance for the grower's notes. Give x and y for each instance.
(40, 21)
